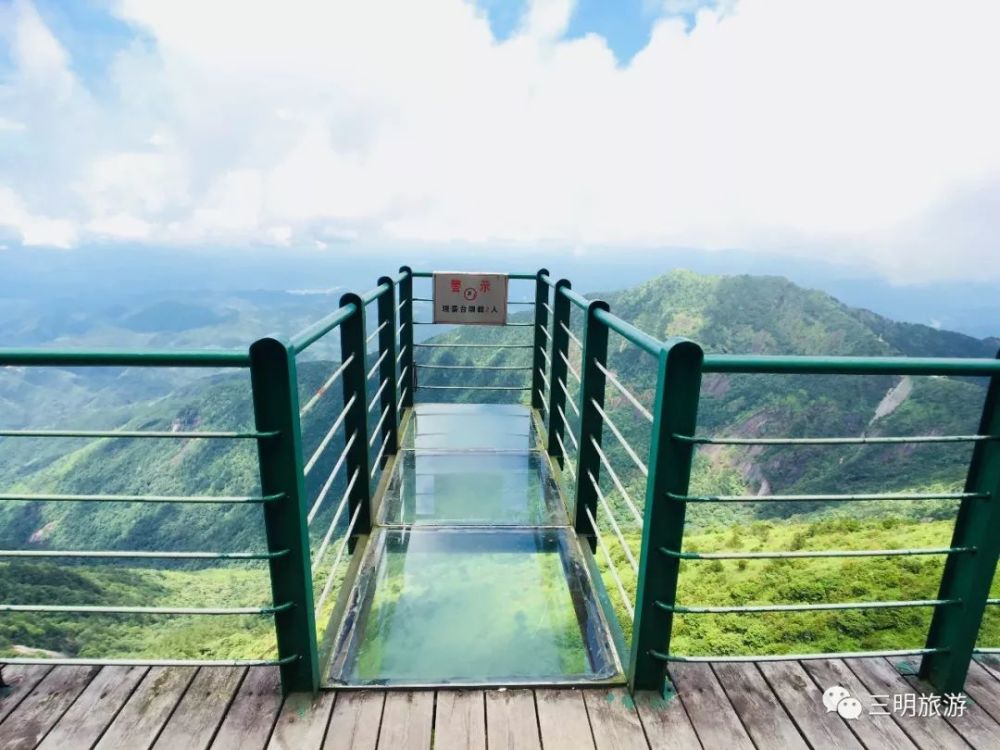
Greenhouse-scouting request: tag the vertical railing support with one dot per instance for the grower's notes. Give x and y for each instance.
(968, 577)
(557, 373)
(675, 412)
(352, 342)
(592, 381)
(387, 370)
(408, 381)
(276, 409)
(540, 341)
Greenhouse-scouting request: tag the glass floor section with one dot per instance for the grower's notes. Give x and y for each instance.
(472, 574)
(463, 606)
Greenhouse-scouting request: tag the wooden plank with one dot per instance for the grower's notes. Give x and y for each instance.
(990, 663)
(982, 687)
(302, 721)
(881, 678)
(460, 720)
(763, 716)
(562, 720)
(85, 721)
(511, 721)
(614, 720)
(804, 702)
(355, 722)
(976, 726)
(876, 731)
(145, 713)
(665, 722)
(19, 682)
(42, 708)
(712, 715)
(251, 716)
(407, 720)
(200, 712)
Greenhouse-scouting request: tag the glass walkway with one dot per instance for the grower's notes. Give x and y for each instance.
(473, 573)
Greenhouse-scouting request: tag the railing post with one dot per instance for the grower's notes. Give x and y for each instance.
(540, 341)
(675, 413)
(592, 381)
(969, 577)
(352, 342)
(276, 408)
(408, 380)
(387, 370)
(557, 373)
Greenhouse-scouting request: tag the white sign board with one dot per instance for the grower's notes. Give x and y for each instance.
(470, 298)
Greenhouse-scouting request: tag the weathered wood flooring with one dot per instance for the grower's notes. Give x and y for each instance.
(728, 706)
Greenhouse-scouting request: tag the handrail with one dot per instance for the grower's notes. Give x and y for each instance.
(113, 358)
(311, 334)
(806, 365)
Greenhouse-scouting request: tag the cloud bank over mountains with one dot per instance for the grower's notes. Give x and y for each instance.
(855, 131)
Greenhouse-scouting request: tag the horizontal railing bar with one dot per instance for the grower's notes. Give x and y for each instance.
(806, 365)
(108, 358)
(378, 456)
(621, 438)
(752, 608)
(328, 436)
(373, 294)
(402, 397)
(400, 355)
(541, 394)
(329, 480)
(567, 461)
(985, 651)
(328, 586)
(570, 401)
(798, 657)
(548, 307)
(511, 276)
(333, 524)
(625, 391)
(167, 434)
(141, 498)
(374, 367)
(495, 325)
(617, 481)
(545, 378)
(614, 523)
(575, 297)
(112, 610)
(471, 367)
(829, 498)
(570, 333)
(546, 355)
(376, 332)
(137, 554)
(323, 388)
(874, 440)
(611, 566)
(569, 432)
(817, 553)
(378, 393)
(993, 601)
(545, 330)
(313, 333)
(378, 426)
(473, 346)
(85, 662)
(473, 388)
(570, 367)
(629, 332)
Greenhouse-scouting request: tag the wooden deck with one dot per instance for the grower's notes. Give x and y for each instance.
(728, 706)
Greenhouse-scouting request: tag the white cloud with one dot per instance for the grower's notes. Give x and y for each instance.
(32, 228)
(855, 131)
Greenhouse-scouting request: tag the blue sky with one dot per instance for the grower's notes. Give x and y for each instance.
(859, 132)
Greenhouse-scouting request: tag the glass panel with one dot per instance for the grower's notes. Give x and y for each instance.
(470, 427)
(472, 606)
(473, 488)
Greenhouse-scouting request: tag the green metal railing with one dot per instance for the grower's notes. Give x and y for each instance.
(576, 419)
(615, 487)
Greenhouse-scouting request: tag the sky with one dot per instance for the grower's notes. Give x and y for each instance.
(861, 132)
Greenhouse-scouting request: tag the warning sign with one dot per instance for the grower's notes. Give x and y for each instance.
(471, 298)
